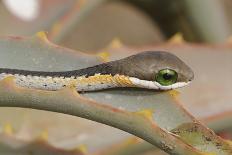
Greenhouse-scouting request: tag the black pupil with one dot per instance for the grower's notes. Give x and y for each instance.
(167, 76)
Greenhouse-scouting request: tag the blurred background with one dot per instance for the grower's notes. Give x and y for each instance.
(199, 31)
(84, 25)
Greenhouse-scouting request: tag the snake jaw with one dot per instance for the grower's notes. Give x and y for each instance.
(155, 85)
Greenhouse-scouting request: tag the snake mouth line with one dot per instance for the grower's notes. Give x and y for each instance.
(155, 85)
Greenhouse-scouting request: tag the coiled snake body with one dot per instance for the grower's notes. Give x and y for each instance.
(151, 70)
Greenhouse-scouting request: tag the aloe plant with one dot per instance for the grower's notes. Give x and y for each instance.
(156, 117)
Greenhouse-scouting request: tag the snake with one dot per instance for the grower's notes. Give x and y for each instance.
(158, 70)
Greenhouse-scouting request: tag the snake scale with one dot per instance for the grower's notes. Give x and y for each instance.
(151, 70)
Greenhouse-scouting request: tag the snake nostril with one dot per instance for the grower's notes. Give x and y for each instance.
(191, 78)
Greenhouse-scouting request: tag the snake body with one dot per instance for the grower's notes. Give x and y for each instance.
(134, 71)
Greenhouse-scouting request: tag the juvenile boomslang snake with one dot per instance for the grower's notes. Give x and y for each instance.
(151, 70)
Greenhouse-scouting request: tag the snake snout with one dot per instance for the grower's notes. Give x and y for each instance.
(190, 75)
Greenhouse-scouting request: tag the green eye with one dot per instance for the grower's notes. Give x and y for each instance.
(166, 77)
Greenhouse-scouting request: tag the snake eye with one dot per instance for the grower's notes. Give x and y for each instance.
(166, 77)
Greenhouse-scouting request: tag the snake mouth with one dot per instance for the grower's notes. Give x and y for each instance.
(155, 85)
(173, 86)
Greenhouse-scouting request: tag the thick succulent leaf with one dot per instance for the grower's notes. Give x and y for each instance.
(200, 137)
(120, 15)
(11, 145)
(158, 104)
(69, 102)
(38, 54)
(212, 105)
(212, 68)
(62, 131)
(74, 16)
(139, 112)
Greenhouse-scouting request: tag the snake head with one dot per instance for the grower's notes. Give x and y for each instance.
(156, 70)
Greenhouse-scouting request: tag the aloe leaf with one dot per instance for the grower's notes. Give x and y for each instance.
(202, 138)
(39, 54)
(211, 102)
(77, 14)
(69, 102)
(75, 30)
(147, 114)
(10, 145)
(212, 105)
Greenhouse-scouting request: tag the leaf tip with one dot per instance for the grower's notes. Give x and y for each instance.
(115, 43)
(42, 35)
(43, 135)
(70, 89)
(148, 113)
(8, 129)
(82, 148)
(104, 56)
(177, 39)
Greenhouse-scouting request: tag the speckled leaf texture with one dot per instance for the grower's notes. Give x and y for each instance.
(156, 117)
